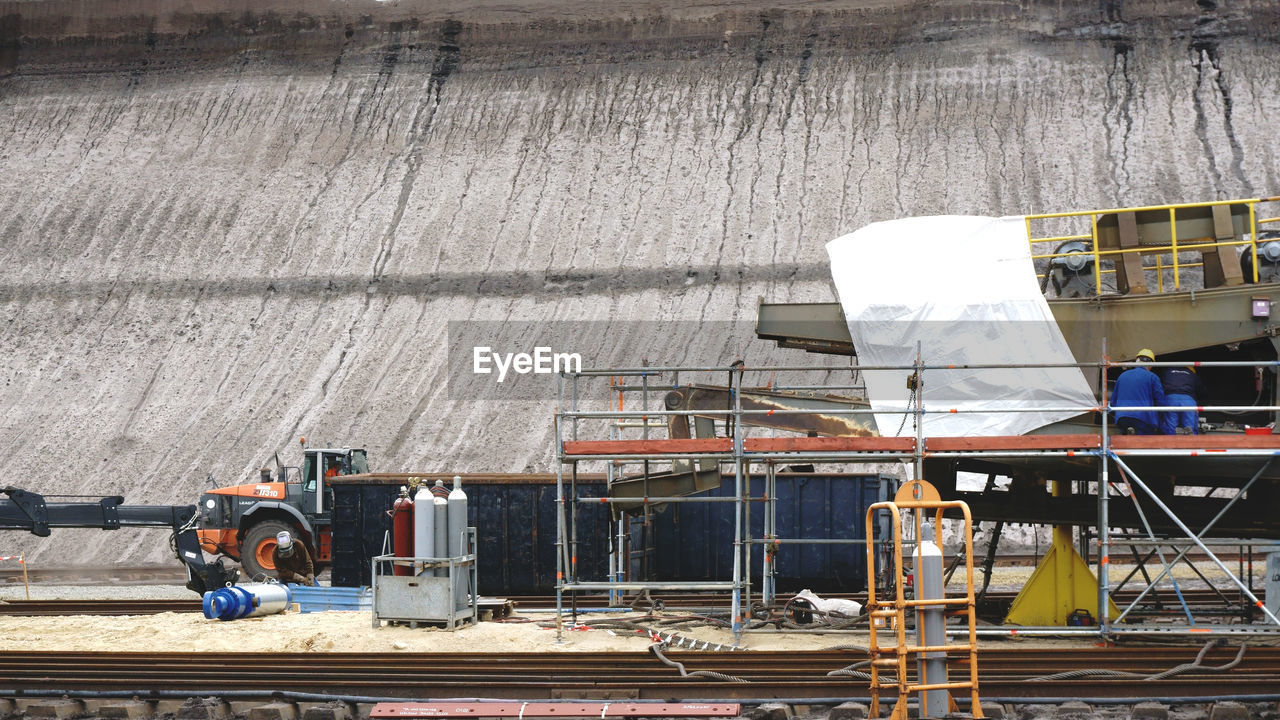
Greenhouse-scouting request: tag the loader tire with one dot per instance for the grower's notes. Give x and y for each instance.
(259, 544)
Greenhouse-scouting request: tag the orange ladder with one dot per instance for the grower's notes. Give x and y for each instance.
(917, 496)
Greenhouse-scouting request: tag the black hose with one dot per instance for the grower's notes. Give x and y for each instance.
(656, 649)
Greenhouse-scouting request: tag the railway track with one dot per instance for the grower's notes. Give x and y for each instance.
(53, 608)
(1006, 673)
(993, 606)
(167, 574)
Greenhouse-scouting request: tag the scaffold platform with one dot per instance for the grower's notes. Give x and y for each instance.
(1068, 476)
(898, 447)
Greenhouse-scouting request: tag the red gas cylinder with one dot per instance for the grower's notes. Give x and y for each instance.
(402, 533)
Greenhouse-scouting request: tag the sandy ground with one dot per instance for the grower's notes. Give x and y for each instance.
(352, 631)
(346, 631)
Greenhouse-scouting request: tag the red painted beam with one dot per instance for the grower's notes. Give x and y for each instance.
(551, 710)
(648, 447)
(1013, 442)
(931, 445)
(1196, 442)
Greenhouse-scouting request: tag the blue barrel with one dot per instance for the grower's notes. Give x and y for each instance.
(241, 601)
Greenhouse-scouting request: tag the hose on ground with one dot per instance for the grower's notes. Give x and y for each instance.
(852, 671)
(1178, 670)
(1195, 665)
(656, 649)
(1075, 674)
(640, 626)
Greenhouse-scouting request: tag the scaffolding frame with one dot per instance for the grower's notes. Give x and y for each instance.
(743, 453)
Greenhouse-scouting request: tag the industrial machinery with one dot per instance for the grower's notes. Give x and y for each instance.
(25, 510)
(242, 520)
(1195, 283)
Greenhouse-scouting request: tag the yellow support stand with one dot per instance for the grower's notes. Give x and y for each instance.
(1061, 584)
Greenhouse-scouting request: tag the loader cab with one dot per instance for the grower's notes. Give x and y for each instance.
(322, 463)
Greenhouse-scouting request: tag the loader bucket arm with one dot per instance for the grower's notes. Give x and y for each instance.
(26, 510)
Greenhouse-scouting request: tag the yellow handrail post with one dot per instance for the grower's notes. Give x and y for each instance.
(1253, 239)
(1097, 259)
(1173, 241)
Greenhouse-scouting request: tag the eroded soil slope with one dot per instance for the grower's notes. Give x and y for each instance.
(228, 224)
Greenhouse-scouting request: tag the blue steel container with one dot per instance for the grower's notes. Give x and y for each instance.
(515, 519)
(694, 541)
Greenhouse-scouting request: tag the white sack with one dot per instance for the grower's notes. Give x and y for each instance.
(965, 288)
(848, 608)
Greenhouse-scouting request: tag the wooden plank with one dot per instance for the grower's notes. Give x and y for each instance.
(1013, 442)
(648, 447)
(830, 444)
(1196, 442)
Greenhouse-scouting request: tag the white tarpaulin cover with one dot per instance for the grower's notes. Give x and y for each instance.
(965, 289)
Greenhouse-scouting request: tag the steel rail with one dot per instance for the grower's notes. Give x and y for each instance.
(1003, 671)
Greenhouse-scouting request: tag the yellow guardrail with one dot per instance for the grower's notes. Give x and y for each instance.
(1173, 248)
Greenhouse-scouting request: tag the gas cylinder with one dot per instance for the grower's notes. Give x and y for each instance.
(424, 526)
(931, 628)
(440, 498)
(457, 529)
(402, 530)
(251, 600)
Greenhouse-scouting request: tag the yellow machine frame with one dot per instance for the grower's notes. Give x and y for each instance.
(1173, 248)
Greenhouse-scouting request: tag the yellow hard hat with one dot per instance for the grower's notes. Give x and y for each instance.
(1146, 353)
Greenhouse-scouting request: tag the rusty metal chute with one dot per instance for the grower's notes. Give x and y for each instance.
(712, 403)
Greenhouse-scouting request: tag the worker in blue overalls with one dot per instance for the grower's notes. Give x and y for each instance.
(1139, 387)
(1183, 388)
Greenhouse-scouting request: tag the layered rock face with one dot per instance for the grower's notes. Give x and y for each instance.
(229, 224)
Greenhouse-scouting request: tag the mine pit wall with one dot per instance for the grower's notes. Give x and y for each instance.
(229, 224)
